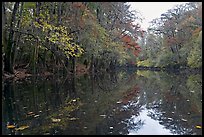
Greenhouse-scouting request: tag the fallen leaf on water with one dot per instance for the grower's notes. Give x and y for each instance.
(199, 127)
(22, 128)
(10, 126)
(103, 115)
(170, 118)
(73, 118)
(55, 120)
(30, 113)
(36, 116)
(184, 120)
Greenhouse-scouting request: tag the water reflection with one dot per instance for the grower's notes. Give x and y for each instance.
(142, 102)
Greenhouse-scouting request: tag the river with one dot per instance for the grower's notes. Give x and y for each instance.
(126, 102)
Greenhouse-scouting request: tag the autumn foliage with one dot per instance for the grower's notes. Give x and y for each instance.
(130, 43)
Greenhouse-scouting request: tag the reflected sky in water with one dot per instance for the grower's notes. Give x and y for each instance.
(150, 127)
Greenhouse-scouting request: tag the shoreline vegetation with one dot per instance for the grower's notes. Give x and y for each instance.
(81, 70)
(44, 38)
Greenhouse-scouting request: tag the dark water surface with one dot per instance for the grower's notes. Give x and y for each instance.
(125, 102)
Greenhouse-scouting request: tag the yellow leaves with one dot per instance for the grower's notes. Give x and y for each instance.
(198, 127)
(10, 126)
(36, 24)
(59, 36)
(17, 129)
(22, 128)
(55, 119)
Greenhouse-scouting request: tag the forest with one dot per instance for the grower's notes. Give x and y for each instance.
(48, 37)
(90, 68)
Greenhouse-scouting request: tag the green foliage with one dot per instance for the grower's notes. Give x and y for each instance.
(195, 55)
(173, 41)
(61, 31)
(146, 63)
(27, 18)
(29, 5)
(166, 59)
(194, 83)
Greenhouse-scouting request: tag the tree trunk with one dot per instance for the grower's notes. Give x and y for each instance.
(8, 62)
(17, 37)
(73, 65)
(3, 33)
(91, 68)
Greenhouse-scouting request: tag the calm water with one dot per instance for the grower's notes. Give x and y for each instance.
(125, 102)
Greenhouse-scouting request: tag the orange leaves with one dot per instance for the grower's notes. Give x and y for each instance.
(131, 44)
(126, 39)
(197, 31)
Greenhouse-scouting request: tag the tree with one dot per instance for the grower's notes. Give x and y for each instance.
(9, 45)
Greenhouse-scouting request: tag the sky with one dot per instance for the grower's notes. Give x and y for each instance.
(152, 10)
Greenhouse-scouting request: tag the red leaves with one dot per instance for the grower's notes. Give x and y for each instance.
(131, 44)
(126, 39)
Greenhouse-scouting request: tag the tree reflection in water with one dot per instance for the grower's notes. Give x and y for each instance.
(109, 103)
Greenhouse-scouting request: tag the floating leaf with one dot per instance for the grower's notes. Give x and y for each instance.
(192, 91)
(199, 127)
(119, 102)
(103, 115)
(30, 113)
(55, 120)
(22, 128)
(184, 120)
(10, 126)
(73, 118)
(170, 118)
(36, 116)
